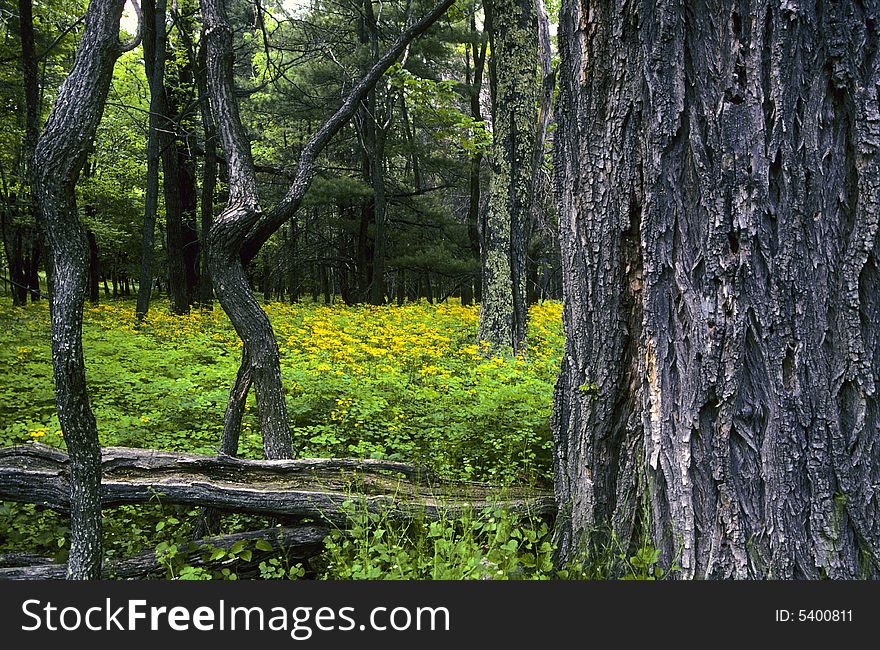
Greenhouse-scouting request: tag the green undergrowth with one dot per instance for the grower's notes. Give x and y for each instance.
(408, 383)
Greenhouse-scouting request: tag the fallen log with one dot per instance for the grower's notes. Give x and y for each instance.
(315, 488)
(298, 543)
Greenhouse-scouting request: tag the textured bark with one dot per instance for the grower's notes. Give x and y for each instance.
(514, 33)
(227, 235)
(297, 543)
(58, 160)
(312, 487)
(719, 193)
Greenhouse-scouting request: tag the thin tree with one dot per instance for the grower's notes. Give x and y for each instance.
(58, 159)
(719, 185)
(238, 233)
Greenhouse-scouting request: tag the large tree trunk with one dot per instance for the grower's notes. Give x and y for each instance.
(514, 32)
(58, 159)
(719, 196)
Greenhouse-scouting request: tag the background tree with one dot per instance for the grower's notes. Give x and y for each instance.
(719, 179)
(513, 30)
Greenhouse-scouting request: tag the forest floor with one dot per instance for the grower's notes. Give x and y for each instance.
(405, 383)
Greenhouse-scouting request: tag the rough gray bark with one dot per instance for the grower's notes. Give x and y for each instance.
(227, 235)
(312, 487)
(719, 194)
(58, 160)
(503, 311)
(297, 543)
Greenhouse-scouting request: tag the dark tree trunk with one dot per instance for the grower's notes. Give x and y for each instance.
(154, 64)
(13, 246)
(33, 266)
(189, 234)
(58, 159)
(94, 271)
(174, 227)
(225, 240)
(290, 262)
(325, 284)
(31, 134)
(503, 311)
(719, 187)
(209, 172)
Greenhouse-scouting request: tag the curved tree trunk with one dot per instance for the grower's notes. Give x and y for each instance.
(226, 237)
(514, 31)
(719, 189)
(58, 159)
(241, 229)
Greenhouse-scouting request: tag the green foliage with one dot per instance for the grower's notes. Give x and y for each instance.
(437, 103)
(406, 383)
(488, 545)
(409, 384)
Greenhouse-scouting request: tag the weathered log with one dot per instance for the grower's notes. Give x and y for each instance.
(9, 560)
(315, 487)
(298, 543)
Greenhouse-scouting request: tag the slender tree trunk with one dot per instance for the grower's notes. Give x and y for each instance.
(94, 271)
(209, 176)
(325, 284)
(475, 190)
(14, 248)
(374, 128)
(226, 237)
(58, 159)
(719, 186)
(241, 229)
(504, 308)
(33, 266)
(174, 227)
(292, 275)
(32, 132)
(189, 234)
(154, 63)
